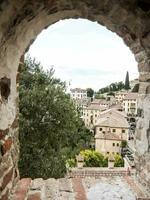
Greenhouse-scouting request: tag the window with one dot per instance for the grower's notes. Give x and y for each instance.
(100, 129)
(117, 144)
(123, 131)
(113, 144)
(114, 130)
(95, 115)
(87, 114)
(107, 152)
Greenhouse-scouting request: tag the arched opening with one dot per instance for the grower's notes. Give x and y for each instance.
(26, 20)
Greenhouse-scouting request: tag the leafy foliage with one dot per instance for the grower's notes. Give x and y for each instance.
(113, 87)
(90, 92)
(94, 159)
(50, 128)
(119, 162)
(71, 163)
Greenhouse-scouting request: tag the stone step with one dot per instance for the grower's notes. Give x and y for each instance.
(37, 190)
(59, 189)
(66, 189)
(51, 189)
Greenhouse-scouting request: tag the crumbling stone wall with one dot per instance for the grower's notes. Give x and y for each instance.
(22, 20)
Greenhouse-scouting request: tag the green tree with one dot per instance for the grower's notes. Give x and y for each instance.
(127, 83)
(90, 92)
(50, 128)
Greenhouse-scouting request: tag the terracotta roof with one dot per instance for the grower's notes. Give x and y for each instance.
(113, 122)
(96, 107)
(114, 113)
(131, 96)
(107, 136)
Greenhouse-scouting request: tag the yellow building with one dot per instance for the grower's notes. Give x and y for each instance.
(92, 112)
(110, 130)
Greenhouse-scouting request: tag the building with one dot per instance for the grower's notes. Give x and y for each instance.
(78, 93)
(111, 129)
(130, 104)
(120, 96)
(79, 96)
(92, 112)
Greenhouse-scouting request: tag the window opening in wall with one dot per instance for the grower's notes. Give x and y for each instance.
(95, 85)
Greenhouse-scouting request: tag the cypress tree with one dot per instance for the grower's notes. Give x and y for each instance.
(127, 83)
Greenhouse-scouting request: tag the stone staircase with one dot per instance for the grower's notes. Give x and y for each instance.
(39, 189)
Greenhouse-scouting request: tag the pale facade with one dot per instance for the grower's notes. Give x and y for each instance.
(110, 131)
(78, 93)
(108, 146)
(130, 104)
(92, 113)
(120, 96)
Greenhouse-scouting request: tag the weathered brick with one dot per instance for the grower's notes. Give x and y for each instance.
(5, 196)
(15, 123)
(22, 189)
(7, 178)
(36, 196)
(3, 133)
(7, 145)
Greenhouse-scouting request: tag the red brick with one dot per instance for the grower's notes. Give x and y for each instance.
(7, 145)
(7, 178)
(22, 189)
(5, 196)
(36, 196)
(78, 189)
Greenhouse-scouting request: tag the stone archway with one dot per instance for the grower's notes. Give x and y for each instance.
(22, 20)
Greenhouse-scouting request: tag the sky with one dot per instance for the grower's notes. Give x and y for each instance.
(84, 54)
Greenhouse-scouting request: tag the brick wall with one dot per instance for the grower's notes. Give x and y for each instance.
(97, 172)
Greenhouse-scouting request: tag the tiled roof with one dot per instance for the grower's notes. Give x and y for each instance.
(113, 122)
(78, 90)
(107, 136)
(114, 113)
(116, 106)
(96, 107)
(131, 96)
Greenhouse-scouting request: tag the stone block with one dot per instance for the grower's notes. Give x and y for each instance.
(5, 195)
(7, 178)
(7, 145)
(35, 196)
(22, 189)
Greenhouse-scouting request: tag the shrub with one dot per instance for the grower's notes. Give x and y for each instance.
(94, 159)
(70, 163)
(123, 143)
(119, 162)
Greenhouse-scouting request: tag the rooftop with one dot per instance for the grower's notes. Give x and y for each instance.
(112, 121)
(131, 96)
(78, 90)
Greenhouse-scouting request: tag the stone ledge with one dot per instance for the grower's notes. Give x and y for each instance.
(22, 189)
(97, 172)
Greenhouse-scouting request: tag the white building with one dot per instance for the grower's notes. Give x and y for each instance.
(130, 104)
(120, 96)
(78, 93)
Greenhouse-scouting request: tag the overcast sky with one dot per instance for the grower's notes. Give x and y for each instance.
(84, 53)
